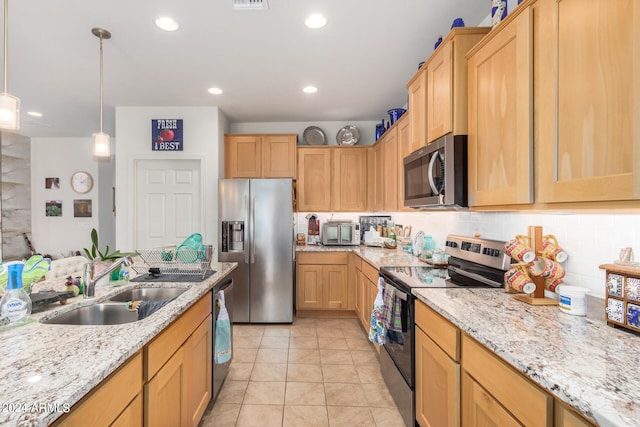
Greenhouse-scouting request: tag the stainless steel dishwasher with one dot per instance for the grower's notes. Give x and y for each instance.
(220, 371)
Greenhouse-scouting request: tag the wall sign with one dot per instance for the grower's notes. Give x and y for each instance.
(166, 135)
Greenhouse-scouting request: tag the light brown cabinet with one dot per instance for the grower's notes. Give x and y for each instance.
(437, 363)
(447, 83)
(260, 156)
(389, 171)
(564, 416)
(199, 358)
(115, 401)
(322, 281)
(500, 130)
(588, 120)
(481, 409)
(167, 395)
(332, 179)
(375, 182)
(417, 110)
(404, 149)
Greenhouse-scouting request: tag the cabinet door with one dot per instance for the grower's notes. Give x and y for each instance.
(314, 179)
(309, 280)
(480, 409)
(279, 156)
(591, 150)
(198, 349)
(567, 417)
(437, 385)
(404, 149)
(439, 92)
(375, 189)
(166, 394)
(360, 294)
(500, 116)
(132, 415)
(349, 179)
(390, 174)
(335, 290)
(243, 156)
(418, 109)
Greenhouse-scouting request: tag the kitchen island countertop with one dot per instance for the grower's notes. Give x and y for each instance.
(47, 368)
(580, 360)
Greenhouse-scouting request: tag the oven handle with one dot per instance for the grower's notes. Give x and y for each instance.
(403, 296)
(475, 277)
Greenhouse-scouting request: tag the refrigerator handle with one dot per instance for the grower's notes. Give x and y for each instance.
(246, 210)
(253, 229)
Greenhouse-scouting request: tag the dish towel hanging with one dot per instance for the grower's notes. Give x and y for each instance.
(392, 319)
(377, 331)
(222, 345)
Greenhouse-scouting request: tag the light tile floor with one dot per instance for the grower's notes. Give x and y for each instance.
(315, 372)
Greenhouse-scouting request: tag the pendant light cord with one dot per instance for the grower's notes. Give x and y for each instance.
(101, 84)
(6, 41)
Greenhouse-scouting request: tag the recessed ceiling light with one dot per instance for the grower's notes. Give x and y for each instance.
(34, 114)
(166, 23)
(215, 91)
(310, 89)
(315, 21)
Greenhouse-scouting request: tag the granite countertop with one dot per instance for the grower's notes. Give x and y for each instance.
(378, 257)
(70, 360)
(580, 360)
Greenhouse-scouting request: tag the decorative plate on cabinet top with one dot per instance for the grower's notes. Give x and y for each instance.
(348, 135)
(313, 135)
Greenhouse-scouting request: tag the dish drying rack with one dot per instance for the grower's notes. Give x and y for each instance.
(168, 260)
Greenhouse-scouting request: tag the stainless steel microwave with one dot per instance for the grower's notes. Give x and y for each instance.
(340, 233)
(435, 176)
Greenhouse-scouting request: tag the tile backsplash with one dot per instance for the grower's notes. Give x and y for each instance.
(590, 239)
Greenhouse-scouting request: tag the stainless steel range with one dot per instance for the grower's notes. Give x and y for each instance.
(473, 262)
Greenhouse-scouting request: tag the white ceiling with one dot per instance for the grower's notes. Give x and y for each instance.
(361, 61)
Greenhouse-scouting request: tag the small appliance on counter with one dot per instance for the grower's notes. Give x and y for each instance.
(313, 230)
(366, 222)
(341, 233)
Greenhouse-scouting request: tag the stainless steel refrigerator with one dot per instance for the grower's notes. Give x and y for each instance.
(256, 231)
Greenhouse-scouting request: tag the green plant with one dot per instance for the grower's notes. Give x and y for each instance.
(95, 252)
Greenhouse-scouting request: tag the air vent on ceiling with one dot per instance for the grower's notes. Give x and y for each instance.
(250, 5)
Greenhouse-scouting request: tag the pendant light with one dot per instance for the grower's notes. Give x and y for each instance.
(101, 144)
(9, 104)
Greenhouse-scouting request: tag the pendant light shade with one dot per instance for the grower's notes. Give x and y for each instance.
(9, 104)
(101, 143)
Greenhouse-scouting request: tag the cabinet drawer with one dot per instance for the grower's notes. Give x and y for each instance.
(440, 330)
(168, 341)
(527, 402)
(322, 258)
(371, 272)
(103, 406)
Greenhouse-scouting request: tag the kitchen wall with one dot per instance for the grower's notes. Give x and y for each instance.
(367, 129)
(590, 239)
(202, 139)
(60, 158)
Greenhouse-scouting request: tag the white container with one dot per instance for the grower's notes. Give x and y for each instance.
(573, 299)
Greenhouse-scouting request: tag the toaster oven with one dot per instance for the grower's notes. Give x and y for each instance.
(340, 233)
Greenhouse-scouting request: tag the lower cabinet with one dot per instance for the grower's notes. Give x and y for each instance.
(458, 381)
(116, 401)
(171, 388)
(322, 281)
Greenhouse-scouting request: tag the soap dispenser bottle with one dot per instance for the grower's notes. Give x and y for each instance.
(15, 305)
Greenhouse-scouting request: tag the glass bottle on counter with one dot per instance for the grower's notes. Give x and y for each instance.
(428, 245)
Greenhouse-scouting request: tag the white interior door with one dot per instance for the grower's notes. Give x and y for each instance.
(169, 203)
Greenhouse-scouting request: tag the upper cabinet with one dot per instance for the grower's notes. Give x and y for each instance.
(589, 127)
(446, 105)
(260, 156)
(418, 109)
(404, 149)
(390, 171)
(500, 142)
(332, 178)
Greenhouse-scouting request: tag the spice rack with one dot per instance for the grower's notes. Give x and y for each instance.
(622, 302)
(536, 297)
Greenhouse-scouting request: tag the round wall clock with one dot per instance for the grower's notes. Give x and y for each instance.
(81, 182)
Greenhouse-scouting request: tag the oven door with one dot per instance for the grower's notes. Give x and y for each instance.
(399, 345)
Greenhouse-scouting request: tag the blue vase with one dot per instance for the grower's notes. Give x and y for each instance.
(458, 22)
(435, 46)
(379, 131)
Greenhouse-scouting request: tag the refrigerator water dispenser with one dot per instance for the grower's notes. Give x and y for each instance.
(232, 236)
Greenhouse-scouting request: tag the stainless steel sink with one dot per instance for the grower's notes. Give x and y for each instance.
(97, 314)
(148, 294)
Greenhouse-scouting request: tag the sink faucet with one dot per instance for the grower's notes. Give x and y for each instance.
(90, 277)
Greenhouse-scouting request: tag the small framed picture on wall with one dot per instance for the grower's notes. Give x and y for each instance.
(53, 208)
(82, 208)
(52, 183)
